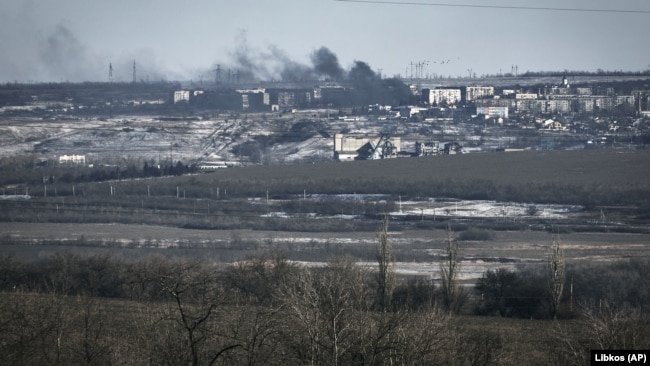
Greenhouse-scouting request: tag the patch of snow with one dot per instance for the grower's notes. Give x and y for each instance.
(485, 209)
(15, 197)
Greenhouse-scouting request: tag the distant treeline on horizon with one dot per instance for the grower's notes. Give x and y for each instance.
(175, 83)
(598, 72)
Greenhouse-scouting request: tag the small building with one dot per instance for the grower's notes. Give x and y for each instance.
(427, 148)
(552, 125)
(181, 96)
(72, 160)
(452, 148)
(492, 112)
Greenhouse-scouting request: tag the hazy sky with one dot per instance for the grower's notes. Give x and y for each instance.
(76, 40)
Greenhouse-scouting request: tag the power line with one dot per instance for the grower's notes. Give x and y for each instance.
(508, 7)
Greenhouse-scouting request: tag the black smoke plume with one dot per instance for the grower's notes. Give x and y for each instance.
(275, 65)
(327, 64)
(369, 88)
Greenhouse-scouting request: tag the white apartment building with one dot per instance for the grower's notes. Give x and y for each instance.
(475, 92)
(440, 95)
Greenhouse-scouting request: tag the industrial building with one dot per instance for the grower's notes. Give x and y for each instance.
(348, 148)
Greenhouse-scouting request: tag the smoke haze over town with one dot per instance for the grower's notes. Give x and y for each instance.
(72, 40)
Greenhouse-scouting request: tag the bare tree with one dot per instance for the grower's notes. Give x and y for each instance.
(600, 326)
(611, 327)
(258, 329)
(325, 309)
(301, 299)
(452, 294)
(194, 293)
(556, 275)
(386, 273)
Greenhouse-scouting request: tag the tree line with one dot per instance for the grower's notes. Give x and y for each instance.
(265, 309)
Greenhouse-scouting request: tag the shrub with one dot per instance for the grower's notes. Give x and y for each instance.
(473, 234)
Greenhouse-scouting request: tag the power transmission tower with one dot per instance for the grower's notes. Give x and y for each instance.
(217, 75)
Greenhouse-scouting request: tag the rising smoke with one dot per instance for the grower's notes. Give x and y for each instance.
(273, 64)
(57, 54)
(64, 58)
(327, 64)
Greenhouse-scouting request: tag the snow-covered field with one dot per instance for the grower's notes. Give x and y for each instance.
(139, 138)
(484, 209)
(508, 249)
(210, 138)
(450, 208)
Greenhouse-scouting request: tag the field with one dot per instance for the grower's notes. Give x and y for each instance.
(599, 169)
(504, 208)
(417, 251)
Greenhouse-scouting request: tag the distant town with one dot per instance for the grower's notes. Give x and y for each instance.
(363, 116)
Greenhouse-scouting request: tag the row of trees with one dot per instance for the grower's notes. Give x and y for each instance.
(71, 309)
(22, 170)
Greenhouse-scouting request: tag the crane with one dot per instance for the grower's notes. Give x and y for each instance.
(383, 149)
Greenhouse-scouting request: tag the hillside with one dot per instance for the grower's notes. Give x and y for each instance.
(603, 171)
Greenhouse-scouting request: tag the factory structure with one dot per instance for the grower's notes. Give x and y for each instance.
(354, 147)
(348, 148)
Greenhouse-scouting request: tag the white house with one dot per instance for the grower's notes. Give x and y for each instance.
(72, 159)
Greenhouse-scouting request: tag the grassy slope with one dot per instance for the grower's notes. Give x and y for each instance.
(611, 167)
(606, 169)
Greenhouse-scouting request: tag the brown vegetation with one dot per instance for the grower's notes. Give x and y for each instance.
(70, 309)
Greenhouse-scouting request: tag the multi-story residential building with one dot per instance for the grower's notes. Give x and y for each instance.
(476, 92)
(530, 106)
(557, 106)
(441, 95)
(625, 99)
(511, 104)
